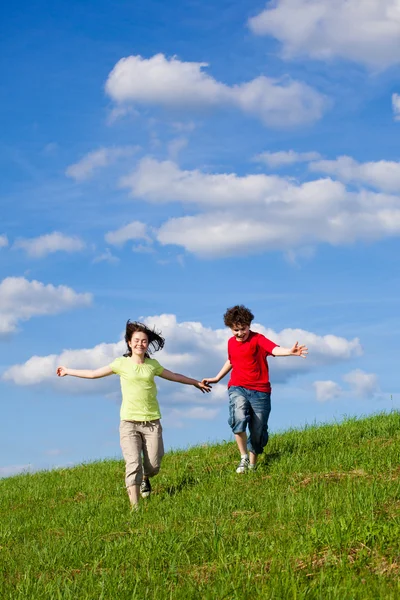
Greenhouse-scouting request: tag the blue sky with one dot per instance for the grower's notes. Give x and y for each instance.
(165, 161)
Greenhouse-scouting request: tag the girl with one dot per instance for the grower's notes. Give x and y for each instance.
(140, 427)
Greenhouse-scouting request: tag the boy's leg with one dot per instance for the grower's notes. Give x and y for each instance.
(258, 427)
(241, 440)
(153, 451)
(238, 420)
(131, 446)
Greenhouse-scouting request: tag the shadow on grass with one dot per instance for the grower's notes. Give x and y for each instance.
(186, 482)
(266, 460)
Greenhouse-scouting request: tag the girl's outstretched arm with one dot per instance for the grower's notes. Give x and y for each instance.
(85, 373)
(186, 380)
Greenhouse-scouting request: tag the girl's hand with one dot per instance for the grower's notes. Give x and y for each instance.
(208, 380)
(203, 387)
(62, 371)
(299, 350)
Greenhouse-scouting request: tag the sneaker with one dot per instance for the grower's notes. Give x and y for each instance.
(145, 488)
(252, 467)
(243, 465)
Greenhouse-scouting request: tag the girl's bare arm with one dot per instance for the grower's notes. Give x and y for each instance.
(85, 373)
(170, 376)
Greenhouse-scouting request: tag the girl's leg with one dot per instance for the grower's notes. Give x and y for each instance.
(153, 448)
(131, 446)
(133, 494)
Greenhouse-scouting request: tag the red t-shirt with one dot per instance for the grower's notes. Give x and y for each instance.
(249, 362)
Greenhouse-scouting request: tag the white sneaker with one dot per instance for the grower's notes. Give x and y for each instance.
(243, 465)
(252, 467)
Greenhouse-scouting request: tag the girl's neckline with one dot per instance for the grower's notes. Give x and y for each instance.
(136, 363)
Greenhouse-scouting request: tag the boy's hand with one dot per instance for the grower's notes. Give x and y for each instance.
(208, 380)
(299, 350)
(203, 386)
(62, 371)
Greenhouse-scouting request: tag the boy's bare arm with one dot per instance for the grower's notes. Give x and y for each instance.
(296, 350)
(224, 371)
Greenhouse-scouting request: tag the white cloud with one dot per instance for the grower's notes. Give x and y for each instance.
(133, 231)
(20, 300)
(327, 390)
(215, 235)
(163, 182)
(396, 106)
(11, 470)
(48, 244)
(383, 175)
(176, 146)
(159, 80)
(54, 452)
(103, 157)
(118, 112)
(40, 369)
(172, 83)
(106, 256)
(51, 148)
(363, 31)
(142, 249)
(303, 253)
(191, 348)
(254, 213)
(197, 412)
(361, 383)
(183, 127)
(284, 103)
(285, 158)
(3, 241)
(324, 350)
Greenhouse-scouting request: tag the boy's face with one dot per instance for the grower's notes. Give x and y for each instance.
(240, 331)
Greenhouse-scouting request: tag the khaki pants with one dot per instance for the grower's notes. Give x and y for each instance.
(138, 437)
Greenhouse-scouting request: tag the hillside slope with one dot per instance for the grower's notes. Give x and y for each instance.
(319, 519)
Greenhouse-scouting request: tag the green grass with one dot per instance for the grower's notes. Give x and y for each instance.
(319, 519)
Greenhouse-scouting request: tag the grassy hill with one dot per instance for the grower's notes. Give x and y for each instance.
(319, 519)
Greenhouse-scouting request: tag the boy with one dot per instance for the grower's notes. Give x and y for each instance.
(249, 388)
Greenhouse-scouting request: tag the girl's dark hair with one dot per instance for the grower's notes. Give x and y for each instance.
(156, 341)
(238, 315)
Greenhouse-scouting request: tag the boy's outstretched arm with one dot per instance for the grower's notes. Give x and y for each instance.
(170, 376)
(296, 350)
(224, 371)
(85, 373)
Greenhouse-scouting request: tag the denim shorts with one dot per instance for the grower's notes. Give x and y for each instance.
(250, 408)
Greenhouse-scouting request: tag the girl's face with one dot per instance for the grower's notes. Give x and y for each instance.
(139, 343)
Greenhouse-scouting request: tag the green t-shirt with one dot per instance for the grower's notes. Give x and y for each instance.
(139, 392)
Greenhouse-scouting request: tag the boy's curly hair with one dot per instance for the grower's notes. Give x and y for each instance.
(238, 315)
